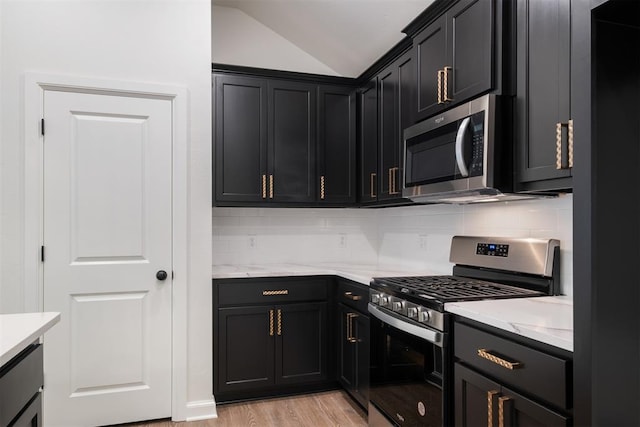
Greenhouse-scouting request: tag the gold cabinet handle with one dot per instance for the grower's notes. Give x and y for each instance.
(353, 297)
(490, 395)
(264, 186)
(501, 401)
(271, 186)
(373, 179)
(350, 337)
(570, 140)
(279, 322)
(269, 292)
(558, 145)
(445, 84)
(485, 354)
(270, 323)
(322, 187)
(393, 188)
(569, 126)
(440, 74)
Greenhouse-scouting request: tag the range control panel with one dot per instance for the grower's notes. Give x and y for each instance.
(492, 249)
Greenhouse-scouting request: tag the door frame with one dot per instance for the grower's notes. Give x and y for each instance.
(35, 85)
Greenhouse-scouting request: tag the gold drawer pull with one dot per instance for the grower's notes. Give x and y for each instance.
(372, 181)
(484, 353)
(271, 186)
(440, 73)
(322, 187)
(570, 139)
(264, 186)
(445, 84)
(352, 297)
(276, 292)
(558, 145)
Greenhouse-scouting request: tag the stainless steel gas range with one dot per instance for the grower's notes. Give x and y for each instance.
(411, 358)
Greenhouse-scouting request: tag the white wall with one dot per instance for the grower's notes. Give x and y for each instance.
(411, 237)
(157, 41)
(238, 39)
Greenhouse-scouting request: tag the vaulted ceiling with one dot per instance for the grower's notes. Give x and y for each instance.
(346, 35)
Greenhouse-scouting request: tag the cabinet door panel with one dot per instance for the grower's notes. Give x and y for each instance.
(301, 343)
(246, 348)
(543, 85)
(430, 54)
(337, 145)
(369, 143)
(471, 398)
(388, 133)
(240, 137)
(362, 359)
(292, 141)
(470, 38)
(522, 412)
(346, 350)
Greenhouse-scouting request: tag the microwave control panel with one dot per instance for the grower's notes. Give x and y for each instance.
(477, 145)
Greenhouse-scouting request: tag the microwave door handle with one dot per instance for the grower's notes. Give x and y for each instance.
(462, 130)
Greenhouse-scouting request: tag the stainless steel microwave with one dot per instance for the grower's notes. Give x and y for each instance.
(462, 155)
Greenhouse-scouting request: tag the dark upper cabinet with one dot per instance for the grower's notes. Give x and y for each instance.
(291, 158)
(336, 182)
(240, 149)
(543, 102)
(282, 142)
(455, 56)
(368, 153)
(385, 110)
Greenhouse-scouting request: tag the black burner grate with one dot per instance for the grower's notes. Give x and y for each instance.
(453, 288)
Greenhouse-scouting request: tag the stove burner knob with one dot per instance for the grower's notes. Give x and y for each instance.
(412, 312)
(384, 301)
(424, 316)
(375, 298)
(398, 306)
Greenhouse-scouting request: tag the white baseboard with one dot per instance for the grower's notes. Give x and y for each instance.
(201, 410)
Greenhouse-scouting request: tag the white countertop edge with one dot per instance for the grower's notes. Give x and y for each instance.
(17, 331)
(552, 328)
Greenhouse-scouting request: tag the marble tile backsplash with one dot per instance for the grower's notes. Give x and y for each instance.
(412, 236)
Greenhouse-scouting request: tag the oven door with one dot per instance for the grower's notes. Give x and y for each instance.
(407, 362)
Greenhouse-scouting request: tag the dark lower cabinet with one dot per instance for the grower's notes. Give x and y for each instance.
(353, 339)
(270, 337)
(502, 382)
(20, 397)
(481, 402)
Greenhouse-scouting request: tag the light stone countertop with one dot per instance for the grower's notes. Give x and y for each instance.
(17, 331)
(545, 319)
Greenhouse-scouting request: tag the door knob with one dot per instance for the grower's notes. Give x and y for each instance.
(161, 275)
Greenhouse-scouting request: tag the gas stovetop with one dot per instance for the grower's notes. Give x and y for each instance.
(451, 288)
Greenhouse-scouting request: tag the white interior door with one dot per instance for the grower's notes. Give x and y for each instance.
(107, 232)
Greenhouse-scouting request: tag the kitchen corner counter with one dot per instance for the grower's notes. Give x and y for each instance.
(17, 331)
(355, 272)
(545, 319)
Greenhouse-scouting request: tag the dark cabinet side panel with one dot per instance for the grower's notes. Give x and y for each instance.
(292, 141)
(337, 145)
(240, 116)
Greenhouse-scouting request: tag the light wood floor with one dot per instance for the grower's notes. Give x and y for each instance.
(326, 409)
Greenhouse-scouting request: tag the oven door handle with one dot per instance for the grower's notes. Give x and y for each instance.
(462, 131)
(431, 335)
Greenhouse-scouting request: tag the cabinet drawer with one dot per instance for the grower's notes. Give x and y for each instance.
(533, 372)
(267, 291)
(20, 380)
(353, 295)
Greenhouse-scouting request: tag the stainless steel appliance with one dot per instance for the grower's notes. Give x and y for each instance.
(462, 155)
(411, 378)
